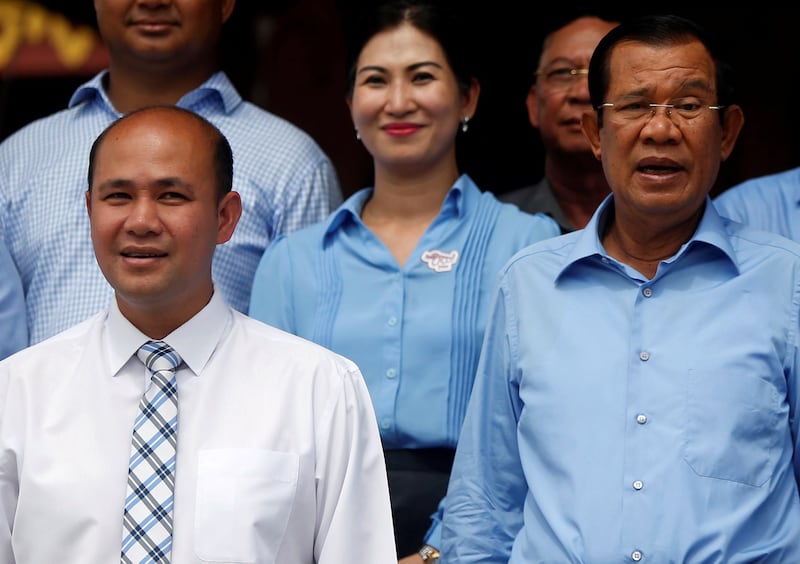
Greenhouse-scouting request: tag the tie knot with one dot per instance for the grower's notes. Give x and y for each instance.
(158, 356)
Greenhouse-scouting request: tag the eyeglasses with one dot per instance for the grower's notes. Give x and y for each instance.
(632, 110)
(562, 77)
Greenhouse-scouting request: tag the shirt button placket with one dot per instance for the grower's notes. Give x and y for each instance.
(641, 419)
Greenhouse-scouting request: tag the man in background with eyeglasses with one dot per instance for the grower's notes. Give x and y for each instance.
(573, 183)
(637, 397)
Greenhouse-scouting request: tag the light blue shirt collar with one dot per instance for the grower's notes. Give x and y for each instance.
(711, 231)
(218, 85)
(456, 203)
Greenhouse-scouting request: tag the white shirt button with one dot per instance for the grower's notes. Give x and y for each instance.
(638, 484)
(644, 355)
(641, 419)
(391, 373)
(636, 555)
(392, 321)
(647, 292)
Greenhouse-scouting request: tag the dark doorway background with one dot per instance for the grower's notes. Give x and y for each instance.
(288, 57)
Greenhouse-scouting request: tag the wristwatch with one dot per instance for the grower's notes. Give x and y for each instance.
(429, 554)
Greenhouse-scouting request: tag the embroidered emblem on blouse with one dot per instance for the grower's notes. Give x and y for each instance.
(439, 261)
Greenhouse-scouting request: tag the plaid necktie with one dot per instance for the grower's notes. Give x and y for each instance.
(147, 522)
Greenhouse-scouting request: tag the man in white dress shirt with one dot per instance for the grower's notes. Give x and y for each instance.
(278, 456)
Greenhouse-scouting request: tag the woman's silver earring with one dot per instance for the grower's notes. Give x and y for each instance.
(358, 135)
(465, 124)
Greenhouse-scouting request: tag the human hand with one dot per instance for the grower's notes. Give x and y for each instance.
(413, 559)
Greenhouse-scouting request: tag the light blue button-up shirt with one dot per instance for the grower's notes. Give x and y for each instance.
(414, 330)
(13, 325)
(285, 181)
(620, 419)
(769, 202)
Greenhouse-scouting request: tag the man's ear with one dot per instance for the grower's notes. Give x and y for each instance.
(229, 211)
(732, 123)
(591, 130)
(532, 102)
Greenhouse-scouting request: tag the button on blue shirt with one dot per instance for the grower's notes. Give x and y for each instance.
(284, 179)
(769, 202)
(414, 330)
(616, 418)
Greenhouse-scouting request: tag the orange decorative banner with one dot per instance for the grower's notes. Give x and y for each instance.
(35, 42)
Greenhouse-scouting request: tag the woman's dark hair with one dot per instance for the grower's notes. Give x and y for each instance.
(659, 29)
(432, 17)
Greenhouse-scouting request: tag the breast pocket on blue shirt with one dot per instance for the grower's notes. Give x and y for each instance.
(244, 500)
(732, 426)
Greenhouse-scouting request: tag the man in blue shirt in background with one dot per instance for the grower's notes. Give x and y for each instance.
(637, 393)
(770, 202)
(160, 53)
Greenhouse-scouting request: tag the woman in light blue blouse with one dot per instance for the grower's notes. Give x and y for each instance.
(397, 278)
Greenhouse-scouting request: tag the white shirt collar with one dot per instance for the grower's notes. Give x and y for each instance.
(195, 340)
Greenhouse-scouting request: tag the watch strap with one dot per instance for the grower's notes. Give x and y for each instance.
(429, 554)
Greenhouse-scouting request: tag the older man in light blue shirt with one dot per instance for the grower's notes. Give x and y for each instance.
(637, 394)
(687, 431)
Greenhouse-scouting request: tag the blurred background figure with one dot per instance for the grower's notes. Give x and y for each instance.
(423, 242)
(573, 184)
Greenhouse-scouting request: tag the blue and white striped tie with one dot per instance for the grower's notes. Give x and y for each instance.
(147, 522)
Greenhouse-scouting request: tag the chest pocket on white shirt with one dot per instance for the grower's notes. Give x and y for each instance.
(244, 500)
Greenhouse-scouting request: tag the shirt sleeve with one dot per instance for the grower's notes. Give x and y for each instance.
(9, 485)
(13, 315)
(312, 197)
(354, 511)
(793, 387)
(487, 487)
(433, 536)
